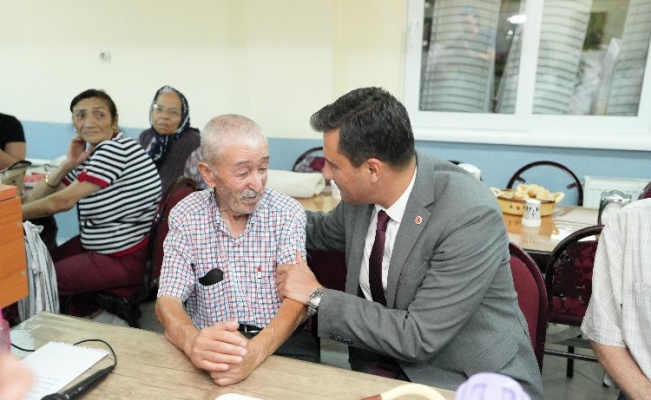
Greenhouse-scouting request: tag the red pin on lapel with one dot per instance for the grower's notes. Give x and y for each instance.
(419, 220)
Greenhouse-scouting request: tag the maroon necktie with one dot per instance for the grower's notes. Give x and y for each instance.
(375, 260)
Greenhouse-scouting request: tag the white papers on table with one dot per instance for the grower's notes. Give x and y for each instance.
(57, 364)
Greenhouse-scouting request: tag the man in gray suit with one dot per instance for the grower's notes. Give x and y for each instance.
(439, 305)
(445, 307)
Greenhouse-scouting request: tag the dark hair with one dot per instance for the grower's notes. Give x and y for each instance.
(89, 94)
(372, 124)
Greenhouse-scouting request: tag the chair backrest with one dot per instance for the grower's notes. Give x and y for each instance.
(177, 191)
(568, 277)
(125, 302)
(646, 192)
(574, 184)
(532, 297)
(311, 160)
(329, 267)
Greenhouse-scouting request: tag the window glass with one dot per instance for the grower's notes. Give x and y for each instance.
(466, 48)
(592, 57)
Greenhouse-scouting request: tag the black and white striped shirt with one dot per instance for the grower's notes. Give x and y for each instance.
(119, 215)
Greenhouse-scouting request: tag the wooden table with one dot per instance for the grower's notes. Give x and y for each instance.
(150, 367)
(322, 202)
(539, 242)
(554, 228)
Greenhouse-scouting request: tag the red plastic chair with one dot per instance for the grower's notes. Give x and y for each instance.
(179, 189)
(329, 267)
(125, 302)
(574, 184)
(311, 160)
(532, 297)
(569, 287)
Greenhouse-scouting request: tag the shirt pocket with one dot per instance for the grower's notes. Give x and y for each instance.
(642, 305)
(213, 294)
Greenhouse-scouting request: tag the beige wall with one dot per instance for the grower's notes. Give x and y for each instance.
(276, 61)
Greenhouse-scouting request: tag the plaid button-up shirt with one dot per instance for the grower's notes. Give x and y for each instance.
(199, 241)
(619, 313)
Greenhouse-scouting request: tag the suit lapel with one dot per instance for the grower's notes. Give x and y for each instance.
(414, 221)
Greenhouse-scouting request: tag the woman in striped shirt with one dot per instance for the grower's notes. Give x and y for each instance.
(116, 189)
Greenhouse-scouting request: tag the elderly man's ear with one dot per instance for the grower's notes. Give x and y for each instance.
(207, 174)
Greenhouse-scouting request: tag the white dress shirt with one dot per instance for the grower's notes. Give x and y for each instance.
(395, 213)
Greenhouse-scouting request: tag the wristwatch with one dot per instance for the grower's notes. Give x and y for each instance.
(314, 300)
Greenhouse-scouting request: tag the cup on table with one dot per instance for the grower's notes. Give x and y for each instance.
(531, 215)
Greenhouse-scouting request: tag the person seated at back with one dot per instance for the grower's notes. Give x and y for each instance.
(12, 141)
(171, 142)
(116, 189)
(618, 318)
(221, 253)
(13, 148)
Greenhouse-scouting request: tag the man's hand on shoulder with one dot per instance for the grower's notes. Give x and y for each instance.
(219, 347)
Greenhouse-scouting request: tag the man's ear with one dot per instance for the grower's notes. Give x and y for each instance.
(374, 168)
(207, 174)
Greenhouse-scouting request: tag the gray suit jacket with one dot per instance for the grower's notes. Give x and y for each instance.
(451, 309)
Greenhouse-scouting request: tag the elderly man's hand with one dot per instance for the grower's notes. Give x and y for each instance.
(219, 347)
(240, 371)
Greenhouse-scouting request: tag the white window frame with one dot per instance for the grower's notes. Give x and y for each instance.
(523, 127)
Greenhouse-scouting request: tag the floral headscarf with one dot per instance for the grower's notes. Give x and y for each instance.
(161, 143)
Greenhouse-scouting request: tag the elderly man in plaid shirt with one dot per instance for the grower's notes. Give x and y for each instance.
(618, 319)
(217, 298)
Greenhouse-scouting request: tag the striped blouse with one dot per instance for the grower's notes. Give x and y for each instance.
(119, 215)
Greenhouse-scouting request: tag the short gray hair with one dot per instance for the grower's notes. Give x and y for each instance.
(228, 128)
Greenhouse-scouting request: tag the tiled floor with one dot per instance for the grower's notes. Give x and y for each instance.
(585, 385)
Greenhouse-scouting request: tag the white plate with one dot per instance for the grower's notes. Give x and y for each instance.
(235, 396)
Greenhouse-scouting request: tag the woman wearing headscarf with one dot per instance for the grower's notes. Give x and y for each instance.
(171, 142)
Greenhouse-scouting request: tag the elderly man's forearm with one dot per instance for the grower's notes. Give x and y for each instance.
(289, 317)
(624, 370)
(179, 329)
